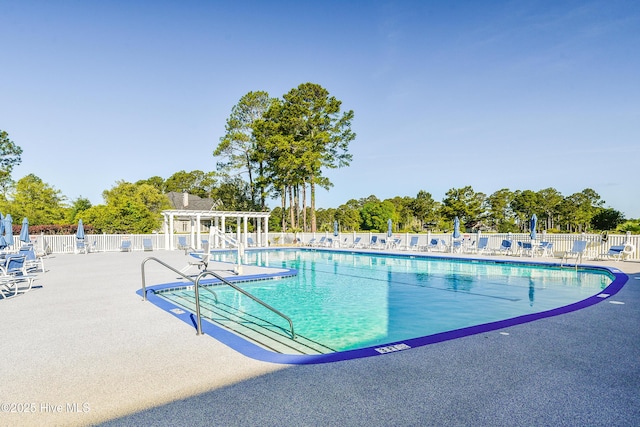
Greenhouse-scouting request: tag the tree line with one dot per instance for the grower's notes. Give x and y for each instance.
(281, 149)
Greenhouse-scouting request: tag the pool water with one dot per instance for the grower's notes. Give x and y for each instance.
(349, 301)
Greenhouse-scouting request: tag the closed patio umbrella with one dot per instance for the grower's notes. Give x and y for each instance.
(8, 230)
(24, 231)
(389, 228)
(456, 228)
(335, 228)
(3, 242)
(80, 232)
(532, 226)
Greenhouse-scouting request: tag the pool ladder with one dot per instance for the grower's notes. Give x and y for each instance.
(196, 288)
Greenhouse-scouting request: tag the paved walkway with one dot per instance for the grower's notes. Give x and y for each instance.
(84, 349)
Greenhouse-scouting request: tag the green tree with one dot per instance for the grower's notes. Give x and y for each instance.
(376, 214)
(39, 202)
(238, 148)
(78, 206)
(464, 203)
(425, 209)
(9, 157)
(233, 194)
(318, 134)
(500, 214)
(607, 219)
(155, 181)
(549, 200)
(524, 205)
(129, 208)
(195, 182)
(578, 209)
(348, 216)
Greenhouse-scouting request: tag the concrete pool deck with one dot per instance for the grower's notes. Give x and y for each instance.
(84, 349)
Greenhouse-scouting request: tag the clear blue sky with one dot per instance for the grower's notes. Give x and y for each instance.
(522, 95)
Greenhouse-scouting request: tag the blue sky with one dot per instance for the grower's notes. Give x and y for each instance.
(523, 95)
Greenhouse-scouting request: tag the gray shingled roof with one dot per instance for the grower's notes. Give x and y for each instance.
(195, 203)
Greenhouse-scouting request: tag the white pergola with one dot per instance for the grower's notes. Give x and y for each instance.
(218, 219)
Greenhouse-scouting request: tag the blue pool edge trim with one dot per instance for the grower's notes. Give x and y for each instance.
(254, 351)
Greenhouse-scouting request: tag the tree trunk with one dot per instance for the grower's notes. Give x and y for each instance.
(284, 209)
(292, 217)
(304, 206)
(313, 204)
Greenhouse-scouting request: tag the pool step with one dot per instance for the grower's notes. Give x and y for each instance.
(259, 331)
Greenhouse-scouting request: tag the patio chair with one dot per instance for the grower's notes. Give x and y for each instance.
(437, 245)
(413, 243)
(546, 249)
(182, 242)
(483, 246)
(32, 262)
(147, 245)
(395, 243)
(619, 252)
(250, 242)
(12, 274)
(81, 246)
(125, 245)
(577, 251)
(505, 247)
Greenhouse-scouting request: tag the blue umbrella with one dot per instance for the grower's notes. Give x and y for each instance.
(24, 231)
(335, 228)
(80, 232)
(3, 242)
(532, 226)
(456, 228)
(389, 228)
(8, 230)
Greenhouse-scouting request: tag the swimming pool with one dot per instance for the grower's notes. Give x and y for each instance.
(346, 305)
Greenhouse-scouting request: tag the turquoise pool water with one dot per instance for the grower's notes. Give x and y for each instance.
(350, 300)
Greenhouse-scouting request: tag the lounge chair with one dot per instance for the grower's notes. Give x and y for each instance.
(125, 246)
(81, 246)
(32, 262)
(437, 245)
(12, 274)
(311, 242)
(525, 248)
(182, 242)
(250, 242)
(413, 243)
(505, 247)
(357, 242)
(577, 251)
(483, 246)
(545, 249)
(321, 242)
(147, 245)
(614, 252)
(395, 243)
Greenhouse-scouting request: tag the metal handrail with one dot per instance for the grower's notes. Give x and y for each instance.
(144, 285)
(237, 288)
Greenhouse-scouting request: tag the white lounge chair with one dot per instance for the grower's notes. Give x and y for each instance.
(413, 243)
(13, 274)
(577, 251)
(483, 246)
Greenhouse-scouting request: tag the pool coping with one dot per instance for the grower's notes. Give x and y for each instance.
(254, 351)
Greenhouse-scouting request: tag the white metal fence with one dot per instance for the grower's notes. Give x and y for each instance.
(113, 242)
